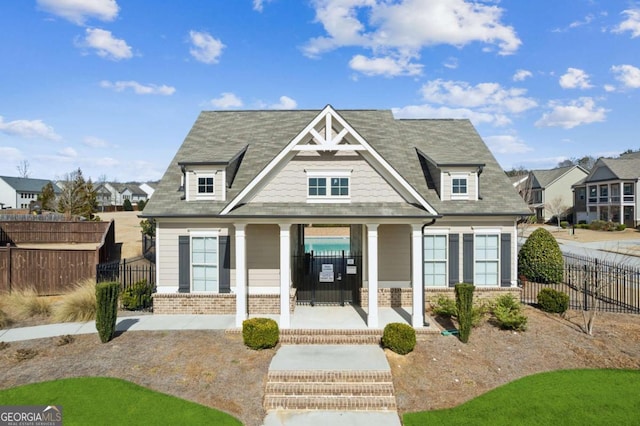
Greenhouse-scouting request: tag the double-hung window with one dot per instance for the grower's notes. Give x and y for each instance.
(435, 260)
(328, 186)
(204, 263)
(487, 259)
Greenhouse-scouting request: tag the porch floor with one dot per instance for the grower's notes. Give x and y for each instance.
(346, 317)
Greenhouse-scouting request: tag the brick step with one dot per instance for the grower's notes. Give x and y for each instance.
(331, 331)
(351, 389)
(369, 403)
(329, 339)
(329, 377)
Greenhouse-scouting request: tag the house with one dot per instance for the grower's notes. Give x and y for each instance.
(425, 202)
(18, 192)
(549, 192)
(113, 194)
(148, 188)
(610, 191)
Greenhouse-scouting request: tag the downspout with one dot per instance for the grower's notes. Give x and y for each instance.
(424, 301)
(480, 169)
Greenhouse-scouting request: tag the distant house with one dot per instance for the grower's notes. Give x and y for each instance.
(149, 188)
(610, 191)
(113, 194)
(18, 193)
(542, 188)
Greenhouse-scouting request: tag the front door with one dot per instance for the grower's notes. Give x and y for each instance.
(328, 279)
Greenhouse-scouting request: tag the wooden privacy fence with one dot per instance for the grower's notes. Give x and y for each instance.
(50, 270)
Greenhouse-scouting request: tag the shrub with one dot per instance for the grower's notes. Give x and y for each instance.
(77, 305)
(5, 321)
(25, 354)
(540, 258)
(260, 333)
(564, 224)
(148, 227)
(508, 313)
(444, 306)
(621, 227)
(126, 205)
(138, 296)
(25, 303)
(107, 309)
(464, 306)
(141, 205)
(553, 301)
(400, 338)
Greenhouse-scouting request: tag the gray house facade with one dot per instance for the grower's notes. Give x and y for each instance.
(425, 203)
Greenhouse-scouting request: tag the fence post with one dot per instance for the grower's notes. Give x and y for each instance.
(584, 288)
(9, 286)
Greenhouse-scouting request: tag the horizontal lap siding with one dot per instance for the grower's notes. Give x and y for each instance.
(394, 253)
(263, 255)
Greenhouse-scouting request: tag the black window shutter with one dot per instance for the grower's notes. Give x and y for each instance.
(467, 258)
(505, 260)
(454, 259)
(184, 264)
(224, 264)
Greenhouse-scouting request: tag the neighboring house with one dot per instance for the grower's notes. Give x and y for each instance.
(610, 191)
(114, 194)
(148, 188)
(545, 189)
(18, 193)
(426, 203)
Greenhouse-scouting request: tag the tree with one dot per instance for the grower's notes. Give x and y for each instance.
(585, 162)
(540, 259)
(557, 208)
(141, 205)
(24, 169)
(78, 198)
(519, 171)
(126, 205)
(47, 197)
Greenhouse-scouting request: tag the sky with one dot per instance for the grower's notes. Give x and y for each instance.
(113, 87)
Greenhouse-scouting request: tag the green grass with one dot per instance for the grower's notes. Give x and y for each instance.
(568, 397)
(106, 401)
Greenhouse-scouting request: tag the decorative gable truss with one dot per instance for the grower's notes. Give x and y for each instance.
(328, 133)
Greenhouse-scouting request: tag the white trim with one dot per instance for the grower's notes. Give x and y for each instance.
(417, 276)
(498, 260)
(241, 273)
(446, 258)
(480, 230)
(285, 274)
(436, 231)
(328, 175)
(204, 234)
(205, 175)
(328, 110)
(341, 147)
(372, 278)
(461, 195)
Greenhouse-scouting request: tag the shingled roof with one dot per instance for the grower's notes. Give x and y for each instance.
(28, 184)
(221, 136)
(544, 178)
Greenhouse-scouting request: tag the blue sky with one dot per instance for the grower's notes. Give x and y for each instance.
(113, 87)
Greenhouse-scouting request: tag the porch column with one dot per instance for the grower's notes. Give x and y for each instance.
(241, 274)
(372, 262)
(417, 319)
(285, 274)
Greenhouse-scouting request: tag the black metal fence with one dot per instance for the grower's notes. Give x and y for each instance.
(593, 284)
(127, 274)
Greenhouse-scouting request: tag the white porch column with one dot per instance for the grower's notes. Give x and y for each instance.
(285, 274)
(417, 319)
(372, 262)
(241, 274)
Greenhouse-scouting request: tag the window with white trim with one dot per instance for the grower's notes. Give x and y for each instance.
(435, 260)
(317, 187)
(205, 185)
(328, 186)
(487, 260)
(204, 263)
(459, 187)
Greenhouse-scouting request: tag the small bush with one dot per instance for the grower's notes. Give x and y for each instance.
(553, 301)
(400, 338)
(79, 305)
(25, 354)
(138, 296)
(25, 303)
(464, 306)
(444, 306)
(508, 313)
(564, 224)
(107, 309)
(260, 333)
(126, 205)
(540, 258)
(621, 227)
(5, 321)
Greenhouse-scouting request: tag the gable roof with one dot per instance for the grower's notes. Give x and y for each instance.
(623, 168)
(28, 185)
(544, 178)
(264, 135)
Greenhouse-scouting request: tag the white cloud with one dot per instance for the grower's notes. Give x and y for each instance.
(403, 28)
(94, 142)
(258, 5)
(491, 96)
(609, 88)
(577, 112)
(139, 89)
(522, 75)
(632, 23)
(507, 144)
(78, 11)
(451, 63)
(68, 152)
(385, 66)
(285, 103)
(628, 75)
(29, 129)
(8, 153)
(106, 45)
(205, 48)
(575, 78)
(226, 101)
(428, 111)
(106, 162)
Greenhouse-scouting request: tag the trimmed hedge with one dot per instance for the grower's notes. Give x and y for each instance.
(400, 338)
(553, 301)
(540, 259)
(107, 309)
(260, 333)
(464, 306)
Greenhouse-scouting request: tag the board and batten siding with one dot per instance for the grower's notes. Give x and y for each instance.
(218, 183)
(447, 177)
(290, 183)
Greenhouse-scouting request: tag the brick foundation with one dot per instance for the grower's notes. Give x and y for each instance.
(403, 297)
(217, 304)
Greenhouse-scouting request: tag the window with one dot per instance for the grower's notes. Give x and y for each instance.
(615, 192)
(435, 260)
(459, 186)
(339, 187)
(317, 187)
(328, 186)
(487, 260)
(604, 193)
(205, 185)
(536, 196)
(204, 263)
(628, 191)
(593, 194)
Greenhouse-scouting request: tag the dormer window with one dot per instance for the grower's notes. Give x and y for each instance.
(459, 187)
(205, 185)
(328, 186)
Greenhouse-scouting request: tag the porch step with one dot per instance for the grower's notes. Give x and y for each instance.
(338, 336)
(330, 390)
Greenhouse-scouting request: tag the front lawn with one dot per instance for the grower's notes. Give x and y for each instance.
(567, 397)
(106, 401)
